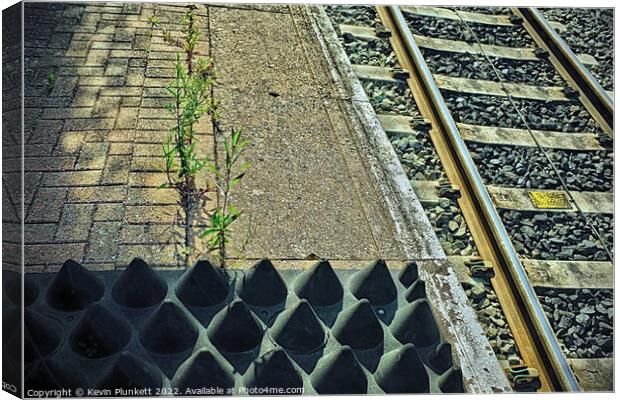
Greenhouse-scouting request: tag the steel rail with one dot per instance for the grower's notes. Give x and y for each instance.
(596, 100)
(534, 336)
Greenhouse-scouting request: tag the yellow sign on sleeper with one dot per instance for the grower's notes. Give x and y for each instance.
(556, 200)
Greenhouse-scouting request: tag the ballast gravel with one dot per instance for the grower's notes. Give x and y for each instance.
(527, 167)
(376, 53)
(589, 31)
(540, 115)
(354, 15)
(491, 316)
(441, 28)
(557, 235)
(451, 228)
(391, 98)
(582, 320)
(487, 10)
(604, 224)
(418, 157)
(476, 66)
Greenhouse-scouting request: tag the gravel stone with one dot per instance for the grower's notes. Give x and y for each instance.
(589, 334)
(540, 115)
(440, 217)
(391, 98)
(418, 156)
(510, 36)
(487, 10)
(490, 315)
(353, 15)
(582, 319)
(527, 167)
(549, 236)
(564, 322)
(376, 53)
(604, 223)
(476, 66)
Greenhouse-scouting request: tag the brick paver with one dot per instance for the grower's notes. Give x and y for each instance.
(93, 139)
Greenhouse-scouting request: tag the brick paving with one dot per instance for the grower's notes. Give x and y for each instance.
(93, 140)
(11, 138)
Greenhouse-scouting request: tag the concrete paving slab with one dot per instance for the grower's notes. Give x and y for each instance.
(595, 374)
(305, 192)
(248, 40)
(306, 148)
(272, 8)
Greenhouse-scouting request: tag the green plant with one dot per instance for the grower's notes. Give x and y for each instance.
(220, 221)
(191, 35)
(154, 21)
(191, 94)
(168, 37)
(51, 80)
(191, 91)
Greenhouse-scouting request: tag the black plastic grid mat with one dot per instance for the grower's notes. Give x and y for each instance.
(206, 331)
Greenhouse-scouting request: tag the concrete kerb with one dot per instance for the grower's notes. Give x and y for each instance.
(415, 233)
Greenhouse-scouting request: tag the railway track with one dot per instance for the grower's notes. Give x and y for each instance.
(506, 138)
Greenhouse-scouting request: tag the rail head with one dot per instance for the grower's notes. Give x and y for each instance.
(562, 371)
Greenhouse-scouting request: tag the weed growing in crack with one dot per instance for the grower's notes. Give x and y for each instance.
(191, 91)
(191, 35)
(192, 99)
(154, 21)
(168, 37)
(220, 221)
(51, 80)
